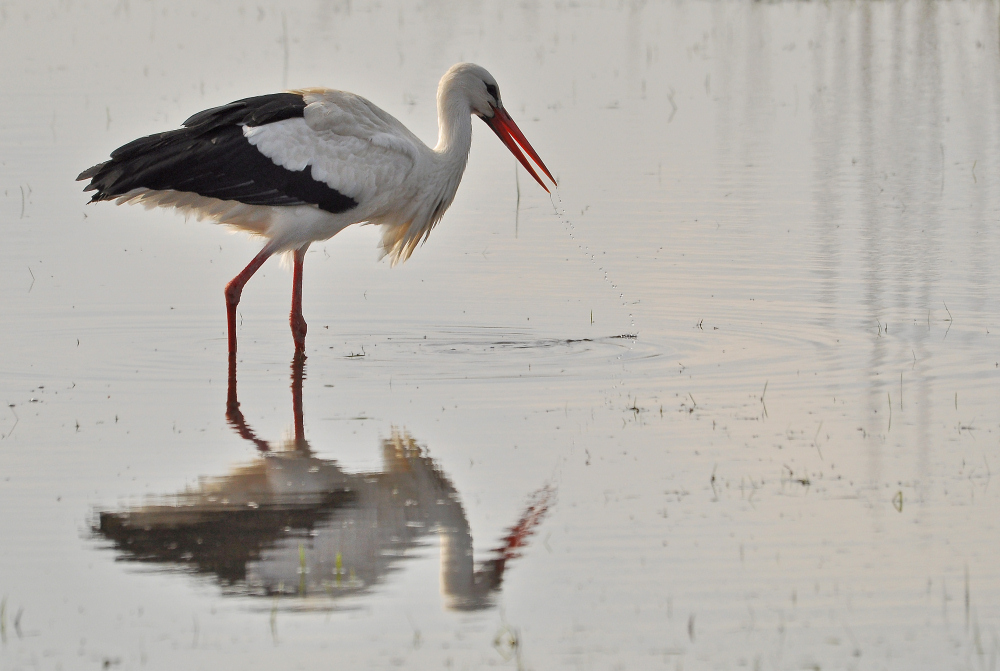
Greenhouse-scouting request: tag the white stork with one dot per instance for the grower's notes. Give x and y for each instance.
(302, 166)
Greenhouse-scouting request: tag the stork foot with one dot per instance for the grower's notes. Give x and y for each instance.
(299, 328)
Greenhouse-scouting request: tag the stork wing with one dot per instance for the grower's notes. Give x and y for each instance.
(211, 157)
(349, 144)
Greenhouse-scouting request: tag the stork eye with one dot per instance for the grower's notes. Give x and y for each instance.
(491, 89)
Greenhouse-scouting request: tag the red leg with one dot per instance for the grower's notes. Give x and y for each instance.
(235, 289)
(298, 373)
(295, 319)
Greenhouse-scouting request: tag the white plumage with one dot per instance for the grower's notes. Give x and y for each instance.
(301, 166)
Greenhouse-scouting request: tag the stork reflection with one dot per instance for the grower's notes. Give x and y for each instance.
(289, 523)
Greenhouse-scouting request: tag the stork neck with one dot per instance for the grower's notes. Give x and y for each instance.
(454, 129)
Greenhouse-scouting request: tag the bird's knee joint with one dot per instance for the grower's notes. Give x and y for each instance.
(233, 295)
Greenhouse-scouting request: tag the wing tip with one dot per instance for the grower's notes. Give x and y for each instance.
(90, 173)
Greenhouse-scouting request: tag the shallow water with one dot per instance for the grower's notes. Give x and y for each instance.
(728, 400)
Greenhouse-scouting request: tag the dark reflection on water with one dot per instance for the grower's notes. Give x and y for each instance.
(291, 524)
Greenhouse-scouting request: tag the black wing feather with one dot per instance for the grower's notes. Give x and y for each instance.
(255, 111)
(211, 157)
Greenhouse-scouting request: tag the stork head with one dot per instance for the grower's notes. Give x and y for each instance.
(479, 88)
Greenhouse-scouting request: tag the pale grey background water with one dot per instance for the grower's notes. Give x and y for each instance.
(793, 206)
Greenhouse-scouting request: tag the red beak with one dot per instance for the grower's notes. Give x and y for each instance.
(511, 135)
